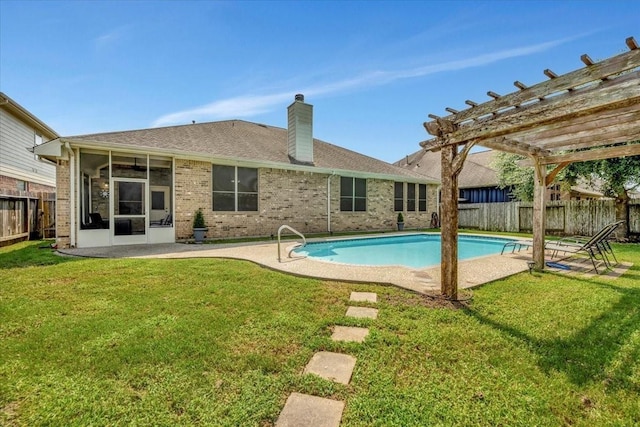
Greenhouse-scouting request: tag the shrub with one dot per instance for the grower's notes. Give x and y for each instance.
(198, 220)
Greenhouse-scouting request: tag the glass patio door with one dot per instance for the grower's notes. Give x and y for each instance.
(130, 209)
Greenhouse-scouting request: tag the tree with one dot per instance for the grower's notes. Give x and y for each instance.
(614, 177)
(510, 174)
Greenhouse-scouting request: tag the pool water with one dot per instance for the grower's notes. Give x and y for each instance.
(414, 250)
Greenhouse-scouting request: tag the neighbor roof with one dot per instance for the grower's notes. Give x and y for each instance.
(235, 140)
(476, 170)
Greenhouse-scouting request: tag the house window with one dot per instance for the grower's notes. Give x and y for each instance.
(411, 197)
(21, 185)
(422, 197)
(353, 194)
(235, 189)
(398, 196)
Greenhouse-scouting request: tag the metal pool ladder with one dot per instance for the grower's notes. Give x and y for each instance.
(283, 227)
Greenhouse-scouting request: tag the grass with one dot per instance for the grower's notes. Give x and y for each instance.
(221, 342)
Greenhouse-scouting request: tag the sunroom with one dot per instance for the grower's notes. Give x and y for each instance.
(122, 198)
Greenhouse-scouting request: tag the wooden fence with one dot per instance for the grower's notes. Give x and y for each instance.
(582, 218)
(24, 217)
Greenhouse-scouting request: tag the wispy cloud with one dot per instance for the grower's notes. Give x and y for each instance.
(108, 38)
(252, 105)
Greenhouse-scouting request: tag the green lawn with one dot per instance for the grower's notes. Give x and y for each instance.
(219, 342)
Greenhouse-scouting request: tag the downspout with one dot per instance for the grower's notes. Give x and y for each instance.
(72, 194)
(329, 202)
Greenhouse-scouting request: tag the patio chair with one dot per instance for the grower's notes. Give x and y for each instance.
(95, 221)
(166, 221)
(603, 244)
(517, 244)
(597, 245)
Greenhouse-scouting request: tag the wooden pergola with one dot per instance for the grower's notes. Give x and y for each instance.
(589, 109)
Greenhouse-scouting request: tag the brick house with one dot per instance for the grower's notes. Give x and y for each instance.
(144, 186)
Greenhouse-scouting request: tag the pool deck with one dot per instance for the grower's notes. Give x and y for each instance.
(471, 273)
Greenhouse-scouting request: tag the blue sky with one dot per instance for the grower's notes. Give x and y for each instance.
(372, 70)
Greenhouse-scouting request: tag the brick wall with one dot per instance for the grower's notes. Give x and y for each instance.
(63, 208)
(298, 199)
(9, 186)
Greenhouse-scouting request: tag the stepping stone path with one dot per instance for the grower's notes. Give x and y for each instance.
(364, 296)
(331, 366)
(303, 410)
(362, 312)
(349, 333)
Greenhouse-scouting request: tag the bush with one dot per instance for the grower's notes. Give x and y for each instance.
(400, 217)
(198, 220)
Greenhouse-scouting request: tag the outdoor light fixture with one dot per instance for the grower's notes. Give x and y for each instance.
(531, 264)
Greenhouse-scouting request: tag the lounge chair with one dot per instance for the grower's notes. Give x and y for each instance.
(603, 244)
(517, 244)
(597, 245)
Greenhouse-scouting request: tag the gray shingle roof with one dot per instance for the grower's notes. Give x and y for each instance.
(242, 140)
(476, 170)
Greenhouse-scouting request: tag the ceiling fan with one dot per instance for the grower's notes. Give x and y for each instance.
(136, 167)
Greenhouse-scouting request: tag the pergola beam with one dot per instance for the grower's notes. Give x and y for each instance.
(608, 126)
(595, 121)
(595, 154)
(599, 71)
(611, 94)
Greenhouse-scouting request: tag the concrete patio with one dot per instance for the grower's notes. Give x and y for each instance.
(473, 272)
(426, 280)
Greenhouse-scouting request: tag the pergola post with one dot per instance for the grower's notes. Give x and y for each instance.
(449, 224)
(539, 213)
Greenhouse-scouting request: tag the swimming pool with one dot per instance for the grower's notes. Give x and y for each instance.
(414, 250)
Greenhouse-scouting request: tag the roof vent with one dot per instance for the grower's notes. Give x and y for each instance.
(299, 97)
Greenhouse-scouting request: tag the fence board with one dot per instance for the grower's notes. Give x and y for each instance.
(12, 217)
(25, 213)
(583, 218)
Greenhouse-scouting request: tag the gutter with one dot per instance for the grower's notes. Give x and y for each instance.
(234, 161)
(329, 201)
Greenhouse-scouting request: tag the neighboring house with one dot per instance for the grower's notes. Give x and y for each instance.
(144, 186)
(478, 180)
(27, 184)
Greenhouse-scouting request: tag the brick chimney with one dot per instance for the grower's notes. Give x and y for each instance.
(300, 130)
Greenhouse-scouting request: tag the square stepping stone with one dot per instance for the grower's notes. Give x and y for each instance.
(303, 410)
(362, 312)
(364, 296)
(331, 366)
(349, 333)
